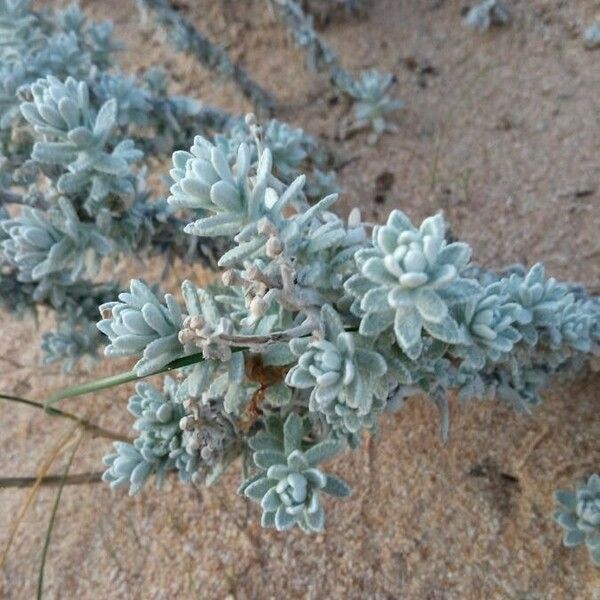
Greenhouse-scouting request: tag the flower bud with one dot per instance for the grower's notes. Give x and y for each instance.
(258, 307)
(274, 247)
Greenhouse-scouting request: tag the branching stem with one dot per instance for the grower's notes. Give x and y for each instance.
(213, 57)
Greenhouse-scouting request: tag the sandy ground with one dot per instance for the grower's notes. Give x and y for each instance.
(501, 132)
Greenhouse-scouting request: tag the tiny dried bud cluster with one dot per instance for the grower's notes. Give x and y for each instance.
(207, 337)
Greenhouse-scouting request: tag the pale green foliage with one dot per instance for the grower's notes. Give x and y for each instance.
(154, 451)
(541, 302)
(140, 324)
(221, 375)
(175, 434)
(373, 102)
(293, 150)
(289, 147)
(62, 112)
(73, 340)
(185, 37)
(52, 249)
(486, 14)
(408, 279)
(370, 90)
(204, 180)
(241, 207)
(341, 375)
(289, 484)
(579, 516)
(133, 103)
(61, 44)
(67, 134)
(591, 36)
(489, 322)
(319, 56)
(323, 183)
(317, 327)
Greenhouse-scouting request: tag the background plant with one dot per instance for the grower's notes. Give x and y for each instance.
(579, 516)
(369, 90)
(75, 138)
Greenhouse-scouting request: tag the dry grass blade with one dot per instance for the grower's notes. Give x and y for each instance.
(56, 450)
(40, 583)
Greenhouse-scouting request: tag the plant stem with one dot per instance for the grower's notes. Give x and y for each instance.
(50, 480)
(93, 429)
(187, 38)
(320, 57)
(276, 336)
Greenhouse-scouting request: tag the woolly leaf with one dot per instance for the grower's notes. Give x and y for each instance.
(336, 487)
(323, 450)
(293, 432)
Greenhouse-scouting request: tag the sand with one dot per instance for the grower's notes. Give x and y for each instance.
(500, 131)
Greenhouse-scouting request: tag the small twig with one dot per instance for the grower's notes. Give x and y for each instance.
(277, 336)
(50, 480)
(91, 428)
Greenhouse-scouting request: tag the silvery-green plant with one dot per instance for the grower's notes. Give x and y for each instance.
(53, 249)
(288, 484)
(158, 446)
(292, 150)
(176, 433)
(486, 14)
(407, 280)
(370, 90)
(84, 203)
(489, 322)
(579, 515)
(322, 183)
(591, 37)
(75, 338)
(138, 323)
(540, 301)
(342, 374)
(64, 43)
(76, 137)
(373, 102)
(318, 329)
